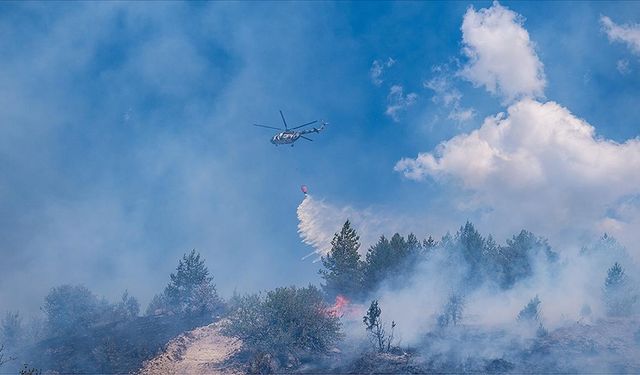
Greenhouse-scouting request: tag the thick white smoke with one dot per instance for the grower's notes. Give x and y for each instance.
(570, 291)
(319, 221)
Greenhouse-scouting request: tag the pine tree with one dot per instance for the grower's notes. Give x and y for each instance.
(399, 246)
(607, 247)
(617, 294)
(471, 241)
(493, 261)
(472, 245)
(343, 270)
(490, 247)
(452, 312)
(191, 286)
(531, 316)
(531, 312)
(616, 278)
(516, 257)
(447, 242)
(413, 244)
(389, 260)
(429, 244)
(376, 264)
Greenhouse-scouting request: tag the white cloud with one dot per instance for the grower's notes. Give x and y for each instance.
(538, 167)
(450, 97)
(623, 67)
(398, 102)
(628, 34)
(501, 55)
(444, 92)
(462, 114)
(377, 70)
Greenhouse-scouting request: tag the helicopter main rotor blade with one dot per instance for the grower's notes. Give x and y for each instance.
(283, 120)
(308, 139)
(268, 127)
(308, 123)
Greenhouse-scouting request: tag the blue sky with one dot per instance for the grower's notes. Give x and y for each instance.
(125, 137)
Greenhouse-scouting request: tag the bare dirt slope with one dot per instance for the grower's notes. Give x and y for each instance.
(204, 350)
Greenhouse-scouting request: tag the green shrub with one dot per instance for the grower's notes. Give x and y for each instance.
(285, 323)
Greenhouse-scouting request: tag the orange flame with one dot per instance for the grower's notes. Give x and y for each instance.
(339, 307)
(343, 308)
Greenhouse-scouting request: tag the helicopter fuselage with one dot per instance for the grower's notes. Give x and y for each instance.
(285, 137)
(290, 136)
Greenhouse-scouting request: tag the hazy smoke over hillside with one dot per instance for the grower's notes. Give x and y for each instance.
(567, 289)
(570, 285)
(444, 244)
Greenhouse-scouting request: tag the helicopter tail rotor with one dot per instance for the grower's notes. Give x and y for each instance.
(321, 128)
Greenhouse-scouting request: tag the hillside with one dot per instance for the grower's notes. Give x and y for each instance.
(608, 346)
(118, 347)
(202, 350)
(611, 345)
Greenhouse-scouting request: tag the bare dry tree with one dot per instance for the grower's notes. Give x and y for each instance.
(3, 357)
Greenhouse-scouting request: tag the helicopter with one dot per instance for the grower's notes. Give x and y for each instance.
(290, 135)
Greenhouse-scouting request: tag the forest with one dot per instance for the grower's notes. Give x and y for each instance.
(406, 305)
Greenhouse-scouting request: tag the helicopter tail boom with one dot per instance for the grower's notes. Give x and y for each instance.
(315, 130)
